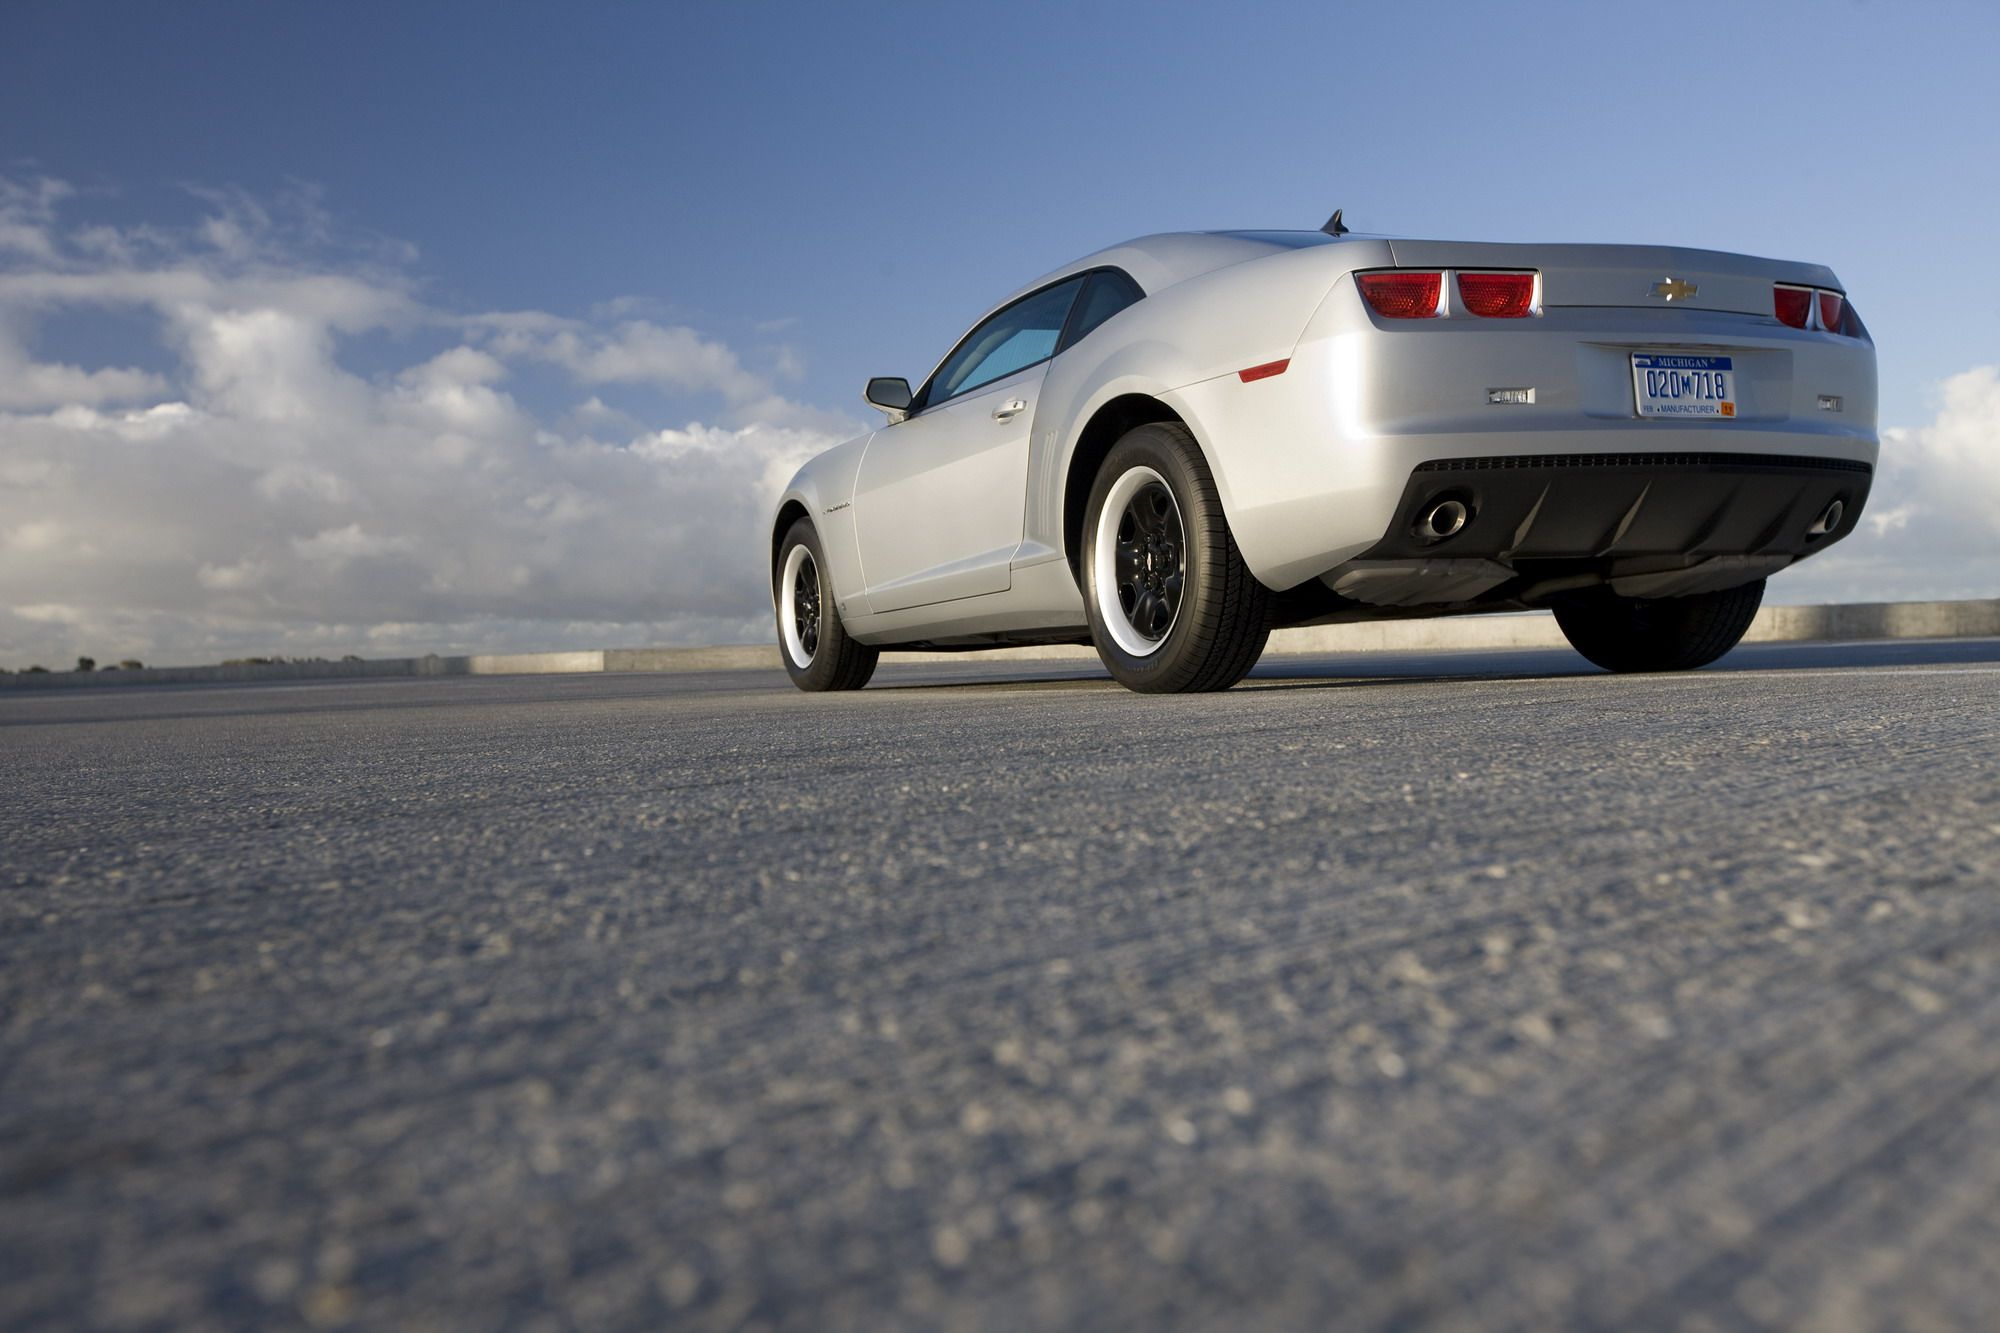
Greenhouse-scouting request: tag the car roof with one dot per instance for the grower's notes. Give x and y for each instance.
(1166, 258)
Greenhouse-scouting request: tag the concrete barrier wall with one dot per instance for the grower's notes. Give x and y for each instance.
(1879, 620)
(1538, 629)
(1774, 624)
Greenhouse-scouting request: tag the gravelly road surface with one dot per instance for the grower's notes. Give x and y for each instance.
(1461, 991)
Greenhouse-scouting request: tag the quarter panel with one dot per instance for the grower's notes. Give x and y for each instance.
(1077, 387)
(1203, 329)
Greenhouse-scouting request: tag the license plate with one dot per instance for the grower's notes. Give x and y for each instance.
(1684, 386)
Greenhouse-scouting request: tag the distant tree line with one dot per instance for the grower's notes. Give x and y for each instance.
(82, 664)
(134, 664)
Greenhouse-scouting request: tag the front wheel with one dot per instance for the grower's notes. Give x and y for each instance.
(1173, 609)
(1662, 633)
(818, 654)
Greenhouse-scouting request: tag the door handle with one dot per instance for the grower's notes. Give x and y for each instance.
(1009, 410)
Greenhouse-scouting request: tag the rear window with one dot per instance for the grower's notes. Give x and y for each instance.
(1108, 293)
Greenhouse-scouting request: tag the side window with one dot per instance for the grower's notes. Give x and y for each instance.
(1108, 292)
(1013, 339)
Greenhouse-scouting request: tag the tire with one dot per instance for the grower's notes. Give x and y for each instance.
(1664, 634)
(818, 654)
(1173, 609)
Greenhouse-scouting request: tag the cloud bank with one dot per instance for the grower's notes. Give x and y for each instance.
(1931, 529)
(244, 490)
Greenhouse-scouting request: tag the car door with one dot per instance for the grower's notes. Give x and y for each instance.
(939, 497)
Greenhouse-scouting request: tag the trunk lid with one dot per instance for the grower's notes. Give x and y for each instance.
(1625, 275)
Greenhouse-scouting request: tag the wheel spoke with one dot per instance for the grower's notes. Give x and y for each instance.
(1144, 513)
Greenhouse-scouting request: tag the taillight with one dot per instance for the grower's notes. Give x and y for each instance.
(1497, 295)
(1402, 293)
(1830, 311)
(1793, 305)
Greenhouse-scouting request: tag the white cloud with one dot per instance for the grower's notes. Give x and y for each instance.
(337, 546)
(27, 213)
(263, 497)
(635, 351)
(1931, 528)
(26, 384)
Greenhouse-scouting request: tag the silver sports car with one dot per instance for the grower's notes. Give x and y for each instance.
(1173, 446)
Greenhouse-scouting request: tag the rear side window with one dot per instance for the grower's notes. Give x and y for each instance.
(1108, 293)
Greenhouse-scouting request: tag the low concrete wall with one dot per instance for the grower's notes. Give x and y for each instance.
(1774, 624)
(1537, 629)
(1879, 620)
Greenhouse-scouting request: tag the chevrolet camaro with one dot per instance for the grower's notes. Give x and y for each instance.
(1171, 447)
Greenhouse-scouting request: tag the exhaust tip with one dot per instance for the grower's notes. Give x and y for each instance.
(1828, 520)
(1446, 518)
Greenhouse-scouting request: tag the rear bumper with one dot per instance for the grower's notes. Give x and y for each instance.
(1318, 465)
(1648, 524)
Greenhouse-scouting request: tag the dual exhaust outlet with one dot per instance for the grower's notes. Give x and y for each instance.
(1447, 518)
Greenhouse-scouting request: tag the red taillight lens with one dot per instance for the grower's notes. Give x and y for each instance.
(1497, 295)
(1792, 304)
(1829, 311)
(1402, 294)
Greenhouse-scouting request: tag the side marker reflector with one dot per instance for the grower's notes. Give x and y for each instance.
(1265, 371)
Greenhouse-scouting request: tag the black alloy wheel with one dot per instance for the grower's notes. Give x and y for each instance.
(805, 605)
(1152, 561)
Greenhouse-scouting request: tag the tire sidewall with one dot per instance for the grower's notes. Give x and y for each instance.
(1162, 451)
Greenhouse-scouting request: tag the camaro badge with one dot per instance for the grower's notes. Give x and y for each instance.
(1674, 289)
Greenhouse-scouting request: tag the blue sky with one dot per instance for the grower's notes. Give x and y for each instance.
(827, 192)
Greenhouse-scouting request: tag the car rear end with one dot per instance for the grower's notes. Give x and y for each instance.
(1473, 423)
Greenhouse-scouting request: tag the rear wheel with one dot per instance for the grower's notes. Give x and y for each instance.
(1173, 609)
(818, 654)
(1661, 634)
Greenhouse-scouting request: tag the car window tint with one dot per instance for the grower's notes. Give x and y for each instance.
(1016, 337)
(1108, 293)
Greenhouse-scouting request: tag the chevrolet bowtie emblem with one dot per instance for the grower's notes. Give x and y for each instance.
(1673, 289)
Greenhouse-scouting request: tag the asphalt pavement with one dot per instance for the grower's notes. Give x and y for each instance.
(1461, 990)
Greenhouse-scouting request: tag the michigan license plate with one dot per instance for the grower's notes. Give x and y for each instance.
(1684, 386)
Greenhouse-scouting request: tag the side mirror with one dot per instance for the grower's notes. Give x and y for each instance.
(891, 395)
